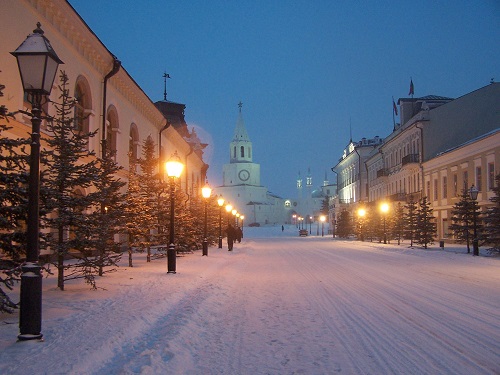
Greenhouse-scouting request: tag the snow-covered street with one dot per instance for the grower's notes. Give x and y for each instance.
(277, 304)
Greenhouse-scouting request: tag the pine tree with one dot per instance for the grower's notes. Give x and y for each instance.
(13, 208)
(411, 220)
(462, 219)
(107, 219)
(69, 175)
(150, 189)
(344, 224)
(133, 210)
(398, 223)
(492, 219)
(426, 227)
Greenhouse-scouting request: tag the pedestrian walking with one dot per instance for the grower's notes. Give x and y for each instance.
(230, 237)
(239, 234)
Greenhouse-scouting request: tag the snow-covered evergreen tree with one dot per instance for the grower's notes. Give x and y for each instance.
(133, 210)
(69, 175)
(426, 227)
(107, 218)
(150, 190)
(13, 208)
(492, 219)
(344, 224)
(462, 220)
(398, 223)
(411, 220)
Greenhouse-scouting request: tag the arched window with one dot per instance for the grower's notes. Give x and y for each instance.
(133, 142)
(83, 106)
(112, 126)
(234, 152)
(242, 151)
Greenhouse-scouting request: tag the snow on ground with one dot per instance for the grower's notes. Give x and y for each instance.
(277, 304)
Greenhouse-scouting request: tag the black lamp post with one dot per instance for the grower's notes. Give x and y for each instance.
(322, 218)
(229, 208)
(361, 215)
(385, 209)
(473, 192)
(310, 224)
(242, 217)
(206, 191)
(174, 169)
(220, 202)
(38, 64)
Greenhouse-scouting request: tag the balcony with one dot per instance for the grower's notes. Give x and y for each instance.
(410, 159)
(382, 173)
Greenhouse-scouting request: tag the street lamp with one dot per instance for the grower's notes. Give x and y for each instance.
(174, 169)
(220, 202)
(38, 64)
(234, 212)
(229, 208)
(310, 224)
(473, 192)
(242, 217)
(322, 218)
(206, 191)
(385, 209)
(294, 216)
(361, 214)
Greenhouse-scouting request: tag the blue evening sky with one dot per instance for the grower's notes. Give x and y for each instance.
(305, 70)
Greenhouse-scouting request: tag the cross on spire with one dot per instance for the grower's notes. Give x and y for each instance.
(240, 104)
(165, 76)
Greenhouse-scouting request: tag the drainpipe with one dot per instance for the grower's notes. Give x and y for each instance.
(421, 158)
(160, 156)
(186, 166)
(116, 67)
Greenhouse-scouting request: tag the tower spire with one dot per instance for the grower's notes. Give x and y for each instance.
(165, 76)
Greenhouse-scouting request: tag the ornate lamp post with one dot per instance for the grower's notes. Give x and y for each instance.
(322, 218)
(310, 224)
(174, 169)
(234, 212)
(38, 64)
(206, 191)
(220, 202)
(385, 209)
(361, 215)
(294, 217)
(473, 192)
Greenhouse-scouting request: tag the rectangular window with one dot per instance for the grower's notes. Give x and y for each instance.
(435, 189)
(466, 180)
(491, 176)
(445, 187)
(455, 185)
(478, 178)
(428, 189)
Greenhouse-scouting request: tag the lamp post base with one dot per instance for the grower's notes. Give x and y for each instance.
(205, 248)
(171, 255)
(475, 247)
(30, 314)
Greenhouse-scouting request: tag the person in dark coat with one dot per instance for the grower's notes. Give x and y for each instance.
(230, 237)
(239, 234)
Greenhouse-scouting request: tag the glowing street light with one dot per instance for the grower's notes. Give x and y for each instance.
(361, 215)
(384, 207)
(229, 208)
(220, 202)
(322, 218)
(174, 169)
(206, 191)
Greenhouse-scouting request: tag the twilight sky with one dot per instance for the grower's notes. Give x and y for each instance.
(306, 71)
